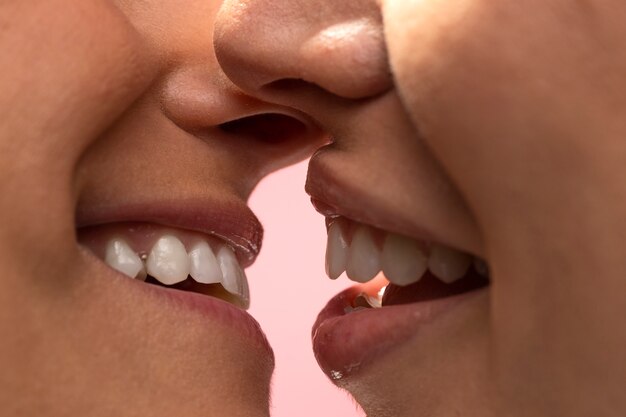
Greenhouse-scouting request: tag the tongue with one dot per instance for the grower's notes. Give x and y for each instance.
(431, 288)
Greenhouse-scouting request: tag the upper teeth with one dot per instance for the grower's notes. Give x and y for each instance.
(233, 278)
(336, 251)
(403, 260)
(364, 257)
(122, 258)
(204, 267)
(448, 264)
(169, 262)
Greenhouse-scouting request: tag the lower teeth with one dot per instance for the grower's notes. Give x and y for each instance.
(404, 295)
(365, 301)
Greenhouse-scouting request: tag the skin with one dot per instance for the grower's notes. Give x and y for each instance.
(98, 97)
(494, 130)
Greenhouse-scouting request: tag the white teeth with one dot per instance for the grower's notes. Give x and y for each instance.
(363, 257)
(204, 267)
(234, 279)
(168, 261)
(367, 301)
(122, 258)
(402, 260)
(447, 264)
(336, 251)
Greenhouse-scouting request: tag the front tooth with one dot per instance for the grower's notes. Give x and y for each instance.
(168, 261)
(122, 258)
(336, 251)
(234, 279)
(402, 260)
(363, 257)
(204, 267)
(447, 264)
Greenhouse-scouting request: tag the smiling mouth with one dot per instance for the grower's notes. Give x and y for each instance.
(414, 270)
(169, 257)
(408, 287)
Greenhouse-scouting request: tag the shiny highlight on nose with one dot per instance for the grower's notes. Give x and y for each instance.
(339, 48)
(353, 56)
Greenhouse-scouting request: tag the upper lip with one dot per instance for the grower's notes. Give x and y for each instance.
(229, 219)
(331, 196)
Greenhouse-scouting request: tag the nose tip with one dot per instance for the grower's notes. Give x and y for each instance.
(336, 45)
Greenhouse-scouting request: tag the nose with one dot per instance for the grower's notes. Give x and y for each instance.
(256, 136)
(337, 46)
(242, 137)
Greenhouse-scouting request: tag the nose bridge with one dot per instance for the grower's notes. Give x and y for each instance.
(337, 45)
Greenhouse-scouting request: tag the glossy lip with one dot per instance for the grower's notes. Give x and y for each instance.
(229, 220)
(344, 343)
(217, 310)
(214, 309)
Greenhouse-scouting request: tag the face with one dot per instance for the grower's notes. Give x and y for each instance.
(126, 155)
(477, 159)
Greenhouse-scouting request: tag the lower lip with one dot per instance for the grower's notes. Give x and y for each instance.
(214, 310)
(218, 311)
(344, 343)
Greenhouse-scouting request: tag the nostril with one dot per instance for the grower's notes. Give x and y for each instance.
(270, 128)
(270, 141)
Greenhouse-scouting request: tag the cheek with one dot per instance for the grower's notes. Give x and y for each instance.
(461, 69)
(501, 92)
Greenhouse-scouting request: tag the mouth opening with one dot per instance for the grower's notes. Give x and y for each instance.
(431, 288)
(397, 269)
(428, 288)
(210, 290)
(172, 258)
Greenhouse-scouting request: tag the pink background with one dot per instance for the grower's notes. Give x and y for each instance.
(288, 289)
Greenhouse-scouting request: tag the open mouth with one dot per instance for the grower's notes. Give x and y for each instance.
(414, 271)
(405, 284)
(169, 257)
